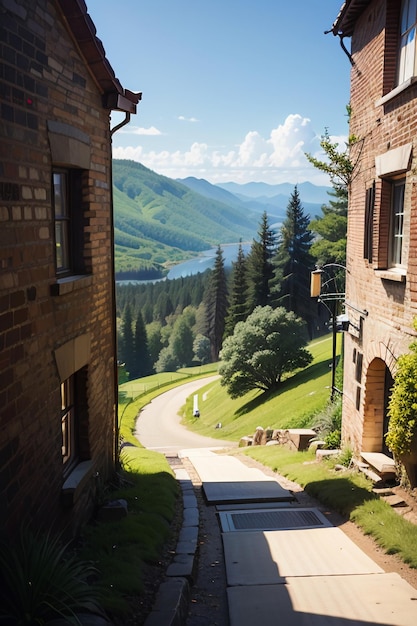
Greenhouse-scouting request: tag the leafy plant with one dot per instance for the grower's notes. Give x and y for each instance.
(332, 440)
(402, 406)
(40, 581)
(329, 421)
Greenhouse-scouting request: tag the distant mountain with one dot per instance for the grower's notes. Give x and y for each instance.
(309, 193)
(260, 197)
(244, 203)
(159, 221)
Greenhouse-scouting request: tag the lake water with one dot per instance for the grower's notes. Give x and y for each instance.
(199, 264)
(206, 260)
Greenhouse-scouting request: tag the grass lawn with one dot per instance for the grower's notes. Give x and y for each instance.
(348, 492)
(301, 396)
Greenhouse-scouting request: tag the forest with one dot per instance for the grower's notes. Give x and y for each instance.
(167, 324)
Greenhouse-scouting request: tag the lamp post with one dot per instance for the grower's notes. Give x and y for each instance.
(316, 288)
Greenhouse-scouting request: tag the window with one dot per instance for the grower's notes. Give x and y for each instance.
(68, 221)
(407, 52)
(397, 223)
(74, 420)
(68, 423)
(358, 368)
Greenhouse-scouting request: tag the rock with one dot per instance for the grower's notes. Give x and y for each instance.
(257, 438)
(112, 511)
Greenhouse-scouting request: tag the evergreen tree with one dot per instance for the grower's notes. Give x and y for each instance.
(238, 307)
(293, 262)
(330, 244)
(216, 305)
(260, 270)
(143, 365)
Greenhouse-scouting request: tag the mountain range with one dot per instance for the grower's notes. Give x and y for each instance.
(160, 221)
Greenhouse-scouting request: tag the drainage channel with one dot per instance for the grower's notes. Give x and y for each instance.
(272, 519)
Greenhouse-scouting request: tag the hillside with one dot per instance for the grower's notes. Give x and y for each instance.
(260, 197)
(160, 221)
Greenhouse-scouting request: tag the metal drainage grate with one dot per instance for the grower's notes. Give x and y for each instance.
(270, 519)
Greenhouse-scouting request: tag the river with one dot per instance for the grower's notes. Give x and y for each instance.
(206, 260)
(199, 264)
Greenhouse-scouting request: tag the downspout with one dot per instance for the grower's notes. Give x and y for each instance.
(119, 126)
(116, 451)
(345, 50)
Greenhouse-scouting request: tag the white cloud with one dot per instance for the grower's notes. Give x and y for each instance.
(137, 130)
(187, 119)
(277, 158)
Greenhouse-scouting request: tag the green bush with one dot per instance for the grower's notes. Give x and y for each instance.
(402, 406)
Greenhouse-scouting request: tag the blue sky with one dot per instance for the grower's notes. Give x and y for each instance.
(233, 90)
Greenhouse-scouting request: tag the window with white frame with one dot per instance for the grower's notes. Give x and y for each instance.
(69, 236)
(407, 52)
(397, 223)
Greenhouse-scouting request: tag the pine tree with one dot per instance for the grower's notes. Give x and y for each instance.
(216, 305)
(330, 246)
(260, 267)
(238, 307)
(143, 365)
(293, 262)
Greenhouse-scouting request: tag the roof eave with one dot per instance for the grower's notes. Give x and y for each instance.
(83, 32)
(349, 12)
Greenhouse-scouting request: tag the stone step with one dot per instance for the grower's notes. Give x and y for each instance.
(381, 463)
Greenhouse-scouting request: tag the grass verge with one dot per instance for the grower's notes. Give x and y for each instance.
(348, 493)
(300, 397)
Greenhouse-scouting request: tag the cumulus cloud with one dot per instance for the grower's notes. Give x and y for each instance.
(137, 130)
(187, 119)
(280, 157)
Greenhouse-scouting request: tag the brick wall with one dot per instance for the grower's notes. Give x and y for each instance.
(43, 80)
(388, 305)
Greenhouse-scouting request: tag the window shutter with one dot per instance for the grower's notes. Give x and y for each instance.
(369, 223)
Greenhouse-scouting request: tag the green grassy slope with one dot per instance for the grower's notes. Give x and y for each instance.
(300, 397)
(158, 220)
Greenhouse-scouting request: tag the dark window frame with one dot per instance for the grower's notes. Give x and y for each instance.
(68, 221)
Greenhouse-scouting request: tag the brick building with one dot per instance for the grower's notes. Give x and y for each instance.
(58, 389)
(381, 279)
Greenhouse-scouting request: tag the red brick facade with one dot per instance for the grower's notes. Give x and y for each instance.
(57, 90)
(381, 295)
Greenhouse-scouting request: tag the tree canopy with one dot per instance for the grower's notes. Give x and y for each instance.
(268, 344)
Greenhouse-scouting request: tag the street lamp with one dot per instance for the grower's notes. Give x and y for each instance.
(316, 288)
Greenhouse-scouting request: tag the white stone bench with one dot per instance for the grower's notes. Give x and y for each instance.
(381, 463)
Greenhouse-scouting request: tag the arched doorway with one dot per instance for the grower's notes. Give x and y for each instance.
(375, 419)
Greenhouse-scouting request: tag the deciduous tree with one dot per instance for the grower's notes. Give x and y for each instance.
(268, 344)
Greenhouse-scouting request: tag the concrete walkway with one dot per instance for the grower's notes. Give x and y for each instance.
(286, 564)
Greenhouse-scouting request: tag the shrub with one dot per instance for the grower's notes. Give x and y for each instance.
(40, 581)
(402, 406)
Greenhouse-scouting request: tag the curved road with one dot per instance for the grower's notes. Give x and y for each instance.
(158, 426)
